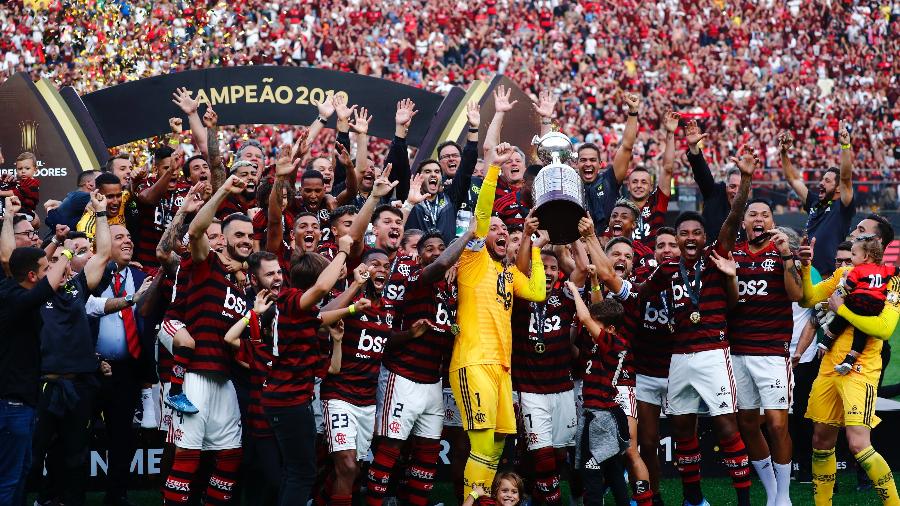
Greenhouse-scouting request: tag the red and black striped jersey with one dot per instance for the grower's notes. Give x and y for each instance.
(544, 369)
(651, 339)
(420, 359)
(870, 279)
(258, 357)
(510, 209)
(179, 290)
(398, 272)
(365, 337)
(213, 302)
(234, 204)
(763, 320)
(622, 340)
(710, 332)
(296, 353)
(643, 263)
(153, 221)
(28, 189)
(651, 217)
(602, 363)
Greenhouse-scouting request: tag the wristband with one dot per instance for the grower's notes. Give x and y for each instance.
(787, 257)
(846, 146)
(630, 113)
(101, 214)
(351, 309)
(322, 120)
(245, 320)
(67, 253)
(595, 288)
(474, 495)
(546, 122)
(473, 130)
(56, 241)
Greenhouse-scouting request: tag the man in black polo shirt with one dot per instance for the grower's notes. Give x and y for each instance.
(831, 208)
(69, 365)
(31, 283)
(717, 197)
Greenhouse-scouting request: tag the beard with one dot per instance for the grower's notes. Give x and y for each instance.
(235, 254)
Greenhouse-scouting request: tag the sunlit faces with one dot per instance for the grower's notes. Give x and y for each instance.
(378, 267)
(215, 237)
(326, 168)
(588, 164)
(691, 239)
(122, 169)
(269, 275)
(113, 194)
(388, 228)
(732, 185)
(122, 246)
(827, 186)
(551, 269)
(433, 178)
(430, 250)
(758, 219)
(497, 239)
(449, 158)
(621, 255)
(866, 226)
(514, 168)
(639, 184)
(622, 221)
(341, 225)
(238, 242)
(253, 154)
(312, 190)
(842, 258)
(25, 168)
(507, 493)
(25, 234)
(368, 178)
(307, 233)
(513, 244)
(666, 248)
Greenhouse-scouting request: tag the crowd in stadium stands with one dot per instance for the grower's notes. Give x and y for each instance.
(309, 324)
(747, 69)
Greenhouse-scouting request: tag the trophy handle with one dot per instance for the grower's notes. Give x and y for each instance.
(536, 140)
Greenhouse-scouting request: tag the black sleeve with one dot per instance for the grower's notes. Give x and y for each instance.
(340, 172)
(458, 190)
(702, 174)
(34, 298)
(398, 155)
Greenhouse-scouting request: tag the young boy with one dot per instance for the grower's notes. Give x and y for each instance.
(24, 184)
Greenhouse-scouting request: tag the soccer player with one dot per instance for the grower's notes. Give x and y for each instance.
(700, 369)
(542, 374)
(479, 368)
(214, 302)
(410, 393)
(759, 331)
(847, 401)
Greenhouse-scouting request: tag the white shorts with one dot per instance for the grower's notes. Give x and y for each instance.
(167, 331)
(652, 390)
(218, 424)
(549, 419)
(704, 376)
(317, 407)
(166, 414)
(452, 416)
(408, 408)
(763, 382)
(349, 426)
(626, 400)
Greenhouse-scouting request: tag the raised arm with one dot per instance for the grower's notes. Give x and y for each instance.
(846, 183)
(435, 271)
(326, 280)
(502, 105)
(216, 166)
(545, 105)
(623, 155)
(488, 193)
(199, 244)
(728, 267)
(182, 98)
(793, 285)
(93, 269)
(12, 205)
(583, 313)
(747, 163)
(534, 287)
(664, 174)
(702, 175)
(362, 118)
(398, 153)
(165, 254)
(785, 144)
(603, 266)
(380, 188)
(459, 187)
(286, 167)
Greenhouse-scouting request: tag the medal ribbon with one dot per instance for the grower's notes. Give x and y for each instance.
(692, 288)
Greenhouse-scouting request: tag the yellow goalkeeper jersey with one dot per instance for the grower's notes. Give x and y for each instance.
(486, 289)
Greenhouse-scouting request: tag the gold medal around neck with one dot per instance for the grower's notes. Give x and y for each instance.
(695, 317)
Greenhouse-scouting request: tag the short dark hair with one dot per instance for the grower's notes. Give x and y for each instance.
(608, 312)
(433, 234)
(550, 253)
(444, 144)
(311, 174)
(845, 246)
(690, 216)
(386, 208)
(373, 251)
(341, 211)
(305, 269)
(732, 172)
(618, 240)
(630, 205)
(410, 232)
(82, 177)
(423, 163)
(109, 163)
(19, 218)
(666, 231)
(588, 145)
(885, 230)
(161, 154)
(255, 260)
(107, 178)
(233, 217)
(186, 169)
(759, 200)
(640, 168)
(24, 260)
(75, 234)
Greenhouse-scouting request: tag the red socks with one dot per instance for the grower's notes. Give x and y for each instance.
(687, 461)
(380, 470)
(421, 471)
(177, 489)
(546, 476)
(224, 476)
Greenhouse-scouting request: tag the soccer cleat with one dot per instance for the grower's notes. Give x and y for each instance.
(704, 502)
(181, 404)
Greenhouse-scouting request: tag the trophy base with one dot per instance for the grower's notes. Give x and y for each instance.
(559, 215)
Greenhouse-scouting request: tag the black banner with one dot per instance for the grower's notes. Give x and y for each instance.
(252, 95)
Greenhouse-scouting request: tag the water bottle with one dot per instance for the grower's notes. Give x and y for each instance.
(463, 216)
(370, 236)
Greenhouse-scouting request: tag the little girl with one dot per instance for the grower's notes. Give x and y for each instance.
(866, 285)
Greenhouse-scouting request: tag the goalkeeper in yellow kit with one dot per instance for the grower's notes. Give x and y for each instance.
(479, 368)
